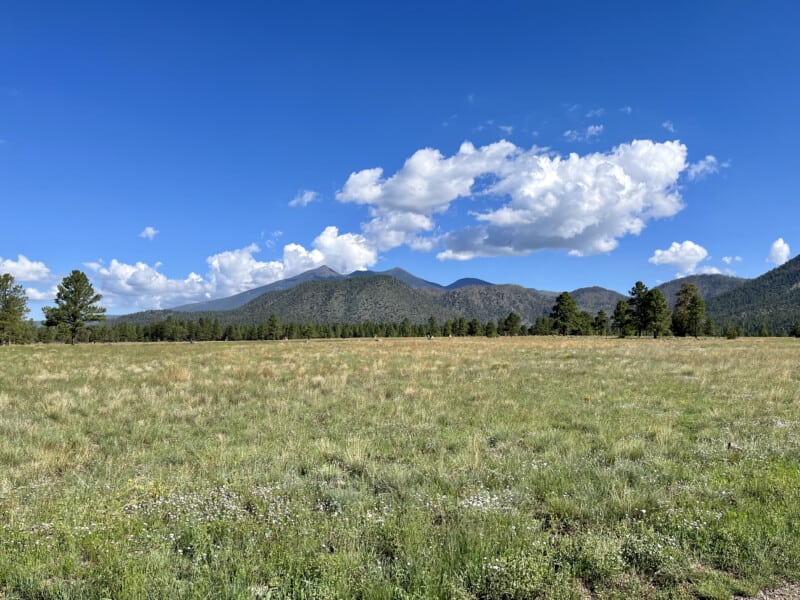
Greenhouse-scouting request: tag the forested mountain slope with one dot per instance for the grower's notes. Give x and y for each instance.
(771, 300)
(382, 298)
(708, 286)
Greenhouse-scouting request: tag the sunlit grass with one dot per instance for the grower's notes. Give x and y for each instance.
(466, 468)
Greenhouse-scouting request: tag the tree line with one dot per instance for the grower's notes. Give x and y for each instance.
(644, 313)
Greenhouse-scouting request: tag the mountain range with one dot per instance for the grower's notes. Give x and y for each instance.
(324, 296)
(323, 273)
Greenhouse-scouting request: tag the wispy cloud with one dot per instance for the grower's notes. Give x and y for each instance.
(704, 167)
(448, 120)
(593, 131)
(669, 126)
(626, 109)
(585, 135)
(148, 233)
(303, 198)
(492, 124)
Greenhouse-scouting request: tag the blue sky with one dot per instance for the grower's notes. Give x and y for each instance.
(190, 150)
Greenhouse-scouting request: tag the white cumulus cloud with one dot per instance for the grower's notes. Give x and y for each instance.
(685, 256)
(779, 252)
(140, 285)
(402, 206)
(234, 271)
(304, 198)
(343, 253)
(38, 295)
(143, 285)
(583, 204)
(148, 232)
(731, 259)
(24, 269)
(428, 181)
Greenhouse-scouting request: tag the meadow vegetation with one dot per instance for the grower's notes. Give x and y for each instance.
(452, 468)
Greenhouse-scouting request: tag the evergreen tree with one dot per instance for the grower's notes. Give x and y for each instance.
(433, 327)
(542, 326)
(447, 328)
(658, 313)
(76, 305)
(565, 315)
(600, 323)
(621, 319)
(709, 328)
(13, 308)
(461, 326)
(584, 324)
(474, 327)
(511, 324)
(274, 329)
(405, 328)
(637, 302)
(690, 311)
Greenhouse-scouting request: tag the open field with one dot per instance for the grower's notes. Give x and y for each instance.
(462, 468)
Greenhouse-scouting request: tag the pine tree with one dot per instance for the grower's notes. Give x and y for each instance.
(13, 308)
(565, 315)
(405, 328)
(621, 319)
(638, 308)
(474, 327)
(76, 305)
(658, 313)
(600, 323)
(433, 327)
(491, 329)
(690, 311)
(274, 328)
(512, 323)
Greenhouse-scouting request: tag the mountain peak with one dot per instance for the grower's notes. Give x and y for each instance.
(323, 271)
(467, 281)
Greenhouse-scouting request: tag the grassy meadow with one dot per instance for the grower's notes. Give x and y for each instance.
(451, 468)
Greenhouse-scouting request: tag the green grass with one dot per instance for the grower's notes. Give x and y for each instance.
(460, 468)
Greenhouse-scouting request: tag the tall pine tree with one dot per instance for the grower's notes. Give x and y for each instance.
(76, 305)
(13, 308)
(690, 312)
